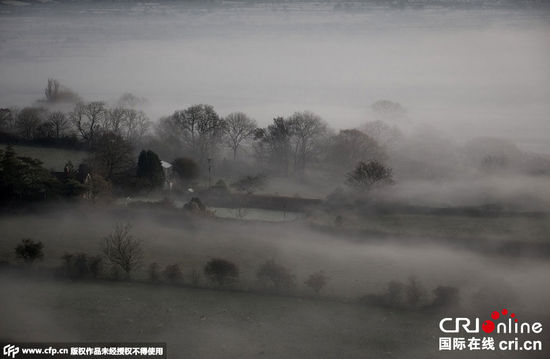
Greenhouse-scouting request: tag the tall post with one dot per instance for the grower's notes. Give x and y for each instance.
(209, 172)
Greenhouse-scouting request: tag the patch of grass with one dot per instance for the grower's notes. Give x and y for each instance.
(53, 158)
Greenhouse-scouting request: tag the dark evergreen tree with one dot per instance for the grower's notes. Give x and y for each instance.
(149, 169)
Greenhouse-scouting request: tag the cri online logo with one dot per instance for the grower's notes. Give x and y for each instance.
(454, 325)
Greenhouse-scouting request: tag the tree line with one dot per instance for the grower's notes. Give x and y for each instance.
(294, 145)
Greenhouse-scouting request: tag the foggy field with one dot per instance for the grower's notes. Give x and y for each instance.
(205, 324)
(468, 253)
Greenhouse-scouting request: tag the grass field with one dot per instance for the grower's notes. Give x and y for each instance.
(52, 158)
(198, 323)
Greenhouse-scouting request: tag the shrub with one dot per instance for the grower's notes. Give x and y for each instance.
(221, 271)
(29, 251)
(317, 281)
(172, 274)
(275, 274)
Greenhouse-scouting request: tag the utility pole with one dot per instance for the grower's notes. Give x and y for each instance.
(209, 172)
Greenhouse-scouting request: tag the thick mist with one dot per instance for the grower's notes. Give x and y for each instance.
(469, 72)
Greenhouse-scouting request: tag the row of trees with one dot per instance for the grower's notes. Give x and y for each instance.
(198, 132)
(124, 254)
(295, 144)
(86, 123)
(287, 145)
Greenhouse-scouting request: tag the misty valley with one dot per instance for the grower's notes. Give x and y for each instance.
(276, 179)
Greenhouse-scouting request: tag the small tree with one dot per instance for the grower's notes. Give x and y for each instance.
(29, 251)
(317, 281)
(275, 274)
(367, 175)
(123, 250)
(221, 271)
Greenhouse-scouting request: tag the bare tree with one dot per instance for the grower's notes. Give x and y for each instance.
(55, 92)
(136, 125)
(273, 144)
(122, 249)
(200, 129)
(88, 119)
(239, 128)
(28, 121)
(59, 122)
(8, 118)
(113, 156)
(306, 127)
(52, 90)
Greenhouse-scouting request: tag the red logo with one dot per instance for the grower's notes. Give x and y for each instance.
(488, 326)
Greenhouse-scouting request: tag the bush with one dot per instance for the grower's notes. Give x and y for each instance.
(221, 271)
(29, 251)
(276, 275)
(172, 274)
(317, 281)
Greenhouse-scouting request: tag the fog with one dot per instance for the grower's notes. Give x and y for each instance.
(475, 71)
(450, 186)
(208, 324)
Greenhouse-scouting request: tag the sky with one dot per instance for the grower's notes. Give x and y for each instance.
(472, 72)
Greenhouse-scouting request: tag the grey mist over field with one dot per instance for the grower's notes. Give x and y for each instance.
(467, 72)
